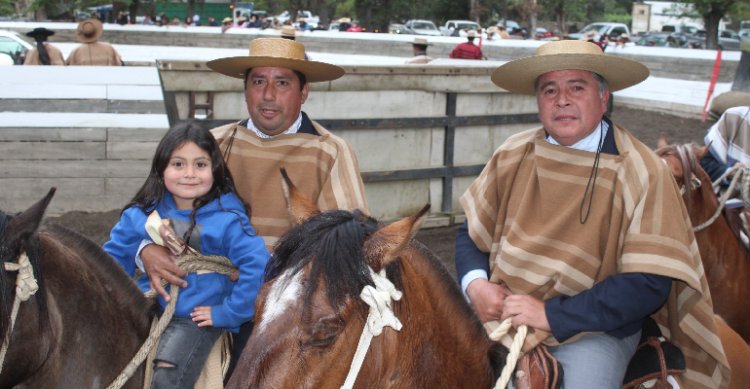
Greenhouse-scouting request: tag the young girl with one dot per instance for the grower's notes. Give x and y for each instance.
(190, 185)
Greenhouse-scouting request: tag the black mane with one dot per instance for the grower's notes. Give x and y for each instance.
(332, 242)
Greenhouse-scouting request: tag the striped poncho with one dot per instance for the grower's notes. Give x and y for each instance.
(323, 167)
(524, 209)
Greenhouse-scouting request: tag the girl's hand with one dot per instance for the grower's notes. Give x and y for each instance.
(202, 316)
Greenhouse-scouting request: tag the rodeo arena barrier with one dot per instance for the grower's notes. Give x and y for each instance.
(421, 132)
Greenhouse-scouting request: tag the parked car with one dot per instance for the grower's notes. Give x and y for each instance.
(13, 45)
(728, 40)
(452, 27)
(613, 30)
(669, 39)
(396, 28)
(421, 27)
(310, 19)
(513, 28)
(542, 34)
(689, 29)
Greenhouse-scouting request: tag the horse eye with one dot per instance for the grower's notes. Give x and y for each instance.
(325, 331)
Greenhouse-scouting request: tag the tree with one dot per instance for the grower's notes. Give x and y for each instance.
(712, 12)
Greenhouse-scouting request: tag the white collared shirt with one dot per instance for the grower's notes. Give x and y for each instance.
(591, 142)
(291, 130)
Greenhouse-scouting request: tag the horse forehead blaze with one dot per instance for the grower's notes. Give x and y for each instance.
(285, 293)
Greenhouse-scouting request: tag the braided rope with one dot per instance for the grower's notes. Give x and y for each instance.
(740, 176)
(514, 352)
(379, 298)
(191, 263)
(26, 286)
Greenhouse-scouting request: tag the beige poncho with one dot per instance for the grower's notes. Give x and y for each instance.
(524, 210)
(324, 167)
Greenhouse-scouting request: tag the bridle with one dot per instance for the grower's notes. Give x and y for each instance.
(380, 298)
(26, 286)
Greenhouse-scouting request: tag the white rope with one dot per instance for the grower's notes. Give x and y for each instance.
(379, 298)
(26, 286)
(515, 350)
(739, 175)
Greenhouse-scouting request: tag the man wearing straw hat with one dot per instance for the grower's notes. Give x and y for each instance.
(276, 134)
(91, 52)
(467, 50)
(577, 230)
(419, 46)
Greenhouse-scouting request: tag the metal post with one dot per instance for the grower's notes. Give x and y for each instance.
(448, 148)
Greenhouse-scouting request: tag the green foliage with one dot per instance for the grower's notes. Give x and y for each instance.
(6, 8)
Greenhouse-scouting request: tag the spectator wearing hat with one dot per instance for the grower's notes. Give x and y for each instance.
(91, 52)
(276, 134)
(44, 53)
(289, 32)
(467, 50)
(419, 45)
(578, 231)
(226, 24)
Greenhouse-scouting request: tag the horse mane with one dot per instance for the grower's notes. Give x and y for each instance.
(98, 263)
(331, 242)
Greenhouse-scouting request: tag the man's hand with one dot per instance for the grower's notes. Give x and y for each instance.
(487, 298)
(527, 310)
(160, 264)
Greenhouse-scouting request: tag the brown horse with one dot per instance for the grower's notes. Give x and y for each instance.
(724, 260)
(85, 322)
(309, 316)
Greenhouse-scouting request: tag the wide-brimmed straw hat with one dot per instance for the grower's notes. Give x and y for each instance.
(280, 53)
(288, 31)
(89, 30)
(518, 76)
(420, 42)
(40, 32)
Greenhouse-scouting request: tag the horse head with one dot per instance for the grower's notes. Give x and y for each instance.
(17, 237)
(683, 160)
(309, 315)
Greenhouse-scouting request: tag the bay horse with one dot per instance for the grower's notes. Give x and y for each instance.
(85, 322)
(309, 316)
(724, 259)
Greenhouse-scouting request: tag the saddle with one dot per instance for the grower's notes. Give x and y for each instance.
(655, 360)
(538, 369)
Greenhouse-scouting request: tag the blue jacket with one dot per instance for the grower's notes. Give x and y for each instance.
(224, 230)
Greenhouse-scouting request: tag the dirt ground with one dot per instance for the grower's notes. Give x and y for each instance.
(645, 125)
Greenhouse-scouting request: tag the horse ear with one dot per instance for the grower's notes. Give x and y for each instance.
(662, 142)
(385, 244)
(28, 221)
(299, 205)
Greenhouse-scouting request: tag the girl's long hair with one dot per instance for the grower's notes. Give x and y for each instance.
(153, 190)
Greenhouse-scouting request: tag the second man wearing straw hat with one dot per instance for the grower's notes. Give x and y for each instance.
(277, 134)
(577, 229)
(91, 52)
